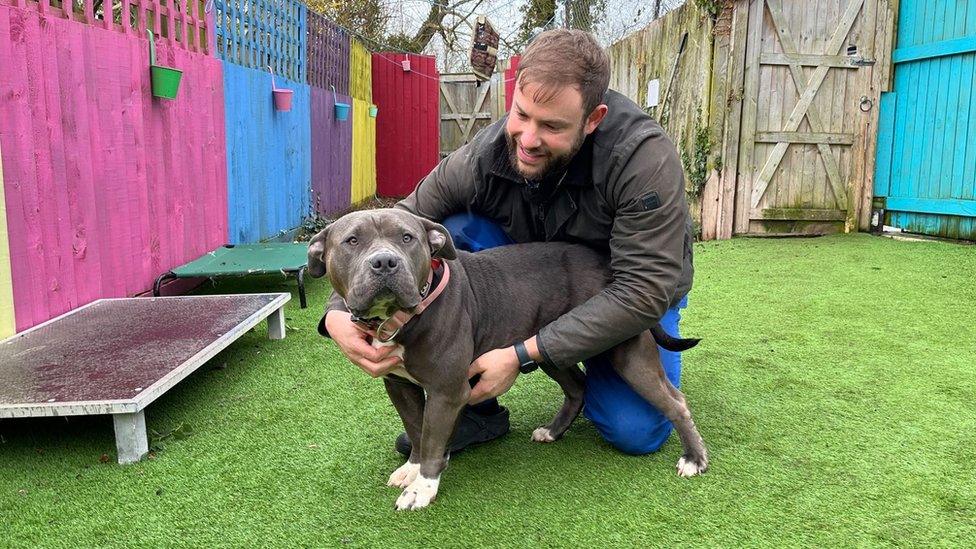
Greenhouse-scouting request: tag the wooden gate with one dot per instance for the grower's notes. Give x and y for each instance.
(807, 103)
(467, 105)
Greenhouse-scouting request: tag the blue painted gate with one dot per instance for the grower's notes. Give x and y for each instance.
(925, 176)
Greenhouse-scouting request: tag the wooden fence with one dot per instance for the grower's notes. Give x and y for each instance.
(105, 187)
(771, 105)
(363, 125)
(407, 133)
(260, 34)
(268, 151)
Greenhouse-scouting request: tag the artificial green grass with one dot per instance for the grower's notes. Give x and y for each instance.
(835, 388)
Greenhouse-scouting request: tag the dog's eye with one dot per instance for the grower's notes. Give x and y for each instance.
(407, 238)
(352, 241)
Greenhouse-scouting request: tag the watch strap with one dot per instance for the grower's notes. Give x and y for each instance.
(526, 364)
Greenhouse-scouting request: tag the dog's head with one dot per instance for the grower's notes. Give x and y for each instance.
(378, 260)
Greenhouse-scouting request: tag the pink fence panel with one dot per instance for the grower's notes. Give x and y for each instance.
(408, 123)
(181, 23)
(105, 186)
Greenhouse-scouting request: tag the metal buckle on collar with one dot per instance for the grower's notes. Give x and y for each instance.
(379, 331)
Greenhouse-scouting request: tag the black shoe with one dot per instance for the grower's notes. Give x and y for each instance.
(472, 429)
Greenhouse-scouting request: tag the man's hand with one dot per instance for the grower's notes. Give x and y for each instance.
(354, 343)
(498, 369)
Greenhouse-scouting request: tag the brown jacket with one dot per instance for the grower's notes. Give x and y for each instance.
(623, 195)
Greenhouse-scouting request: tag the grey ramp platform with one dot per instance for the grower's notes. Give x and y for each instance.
(116, 356)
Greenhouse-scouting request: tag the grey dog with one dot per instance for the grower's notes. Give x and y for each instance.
(379, 262)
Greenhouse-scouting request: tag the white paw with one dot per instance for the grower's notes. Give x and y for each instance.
(419, 494)
(689, 468)
(404, 475)
(542, 434)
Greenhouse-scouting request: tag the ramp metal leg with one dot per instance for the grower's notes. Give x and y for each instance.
(301, 287)
(276, 324)
(131, 440)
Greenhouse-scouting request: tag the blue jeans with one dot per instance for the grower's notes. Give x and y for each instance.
(621, 416)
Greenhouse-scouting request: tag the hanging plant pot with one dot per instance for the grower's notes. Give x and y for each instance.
(282, 99)
(165, 80)
(282, 96)
(373, 111)
(341, 109)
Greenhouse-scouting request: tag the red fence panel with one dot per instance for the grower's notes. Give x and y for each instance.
(408, 123)
(513, 64)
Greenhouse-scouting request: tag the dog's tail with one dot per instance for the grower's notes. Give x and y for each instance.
(675, 344)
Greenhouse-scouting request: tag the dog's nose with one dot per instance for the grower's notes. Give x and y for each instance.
(384, 263)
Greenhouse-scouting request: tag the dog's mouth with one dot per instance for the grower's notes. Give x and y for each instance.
(382, 305)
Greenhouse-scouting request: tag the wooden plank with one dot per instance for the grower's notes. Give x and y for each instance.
(16, 124)
(466, 78)
(886, 135)
(807, 59)
(810, 138)
(52, 200)
(932, 50)
(745, 180)
(958, 207)
(733, 121)
(861, 180)
(797, 214)
(880, 81)
(468, 116)
(718, 104)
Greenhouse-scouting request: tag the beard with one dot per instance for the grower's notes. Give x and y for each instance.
(553, 164)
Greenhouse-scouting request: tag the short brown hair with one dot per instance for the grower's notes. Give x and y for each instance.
(565, 57)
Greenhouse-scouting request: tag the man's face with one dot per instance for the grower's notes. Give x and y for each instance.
(544, 136)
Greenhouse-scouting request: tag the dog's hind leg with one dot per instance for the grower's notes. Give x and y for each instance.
(408, 399)
(639, 364)
(573, 382)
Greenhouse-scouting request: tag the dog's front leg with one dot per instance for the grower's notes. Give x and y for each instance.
(408, 399)
(441, 413)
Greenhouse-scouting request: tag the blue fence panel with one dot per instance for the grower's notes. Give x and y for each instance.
(264, 33)
(926, 163)
(268, 155)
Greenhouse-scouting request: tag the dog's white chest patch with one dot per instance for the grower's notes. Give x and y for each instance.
(401, 371)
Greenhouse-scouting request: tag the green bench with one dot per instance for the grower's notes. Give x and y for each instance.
(287, 258)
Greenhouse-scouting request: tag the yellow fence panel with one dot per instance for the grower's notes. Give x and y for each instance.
(360, 72)
(7, 323)
(363, 152)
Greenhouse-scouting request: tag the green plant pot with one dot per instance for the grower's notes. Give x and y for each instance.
(165, 81)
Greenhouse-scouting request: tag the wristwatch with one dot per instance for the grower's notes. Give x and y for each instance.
(526, 364)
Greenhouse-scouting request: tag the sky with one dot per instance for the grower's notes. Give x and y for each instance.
(624, 17)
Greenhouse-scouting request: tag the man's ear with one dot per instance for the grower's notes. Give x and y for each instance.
(316, 253)
(440, 241)
(594, 118)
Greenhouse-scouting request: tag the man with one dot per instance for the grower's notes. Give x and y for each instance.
(571, 162)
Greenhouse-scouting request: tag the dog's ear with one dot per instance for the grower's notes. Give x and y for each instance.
(316, 253)
(441, 243)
